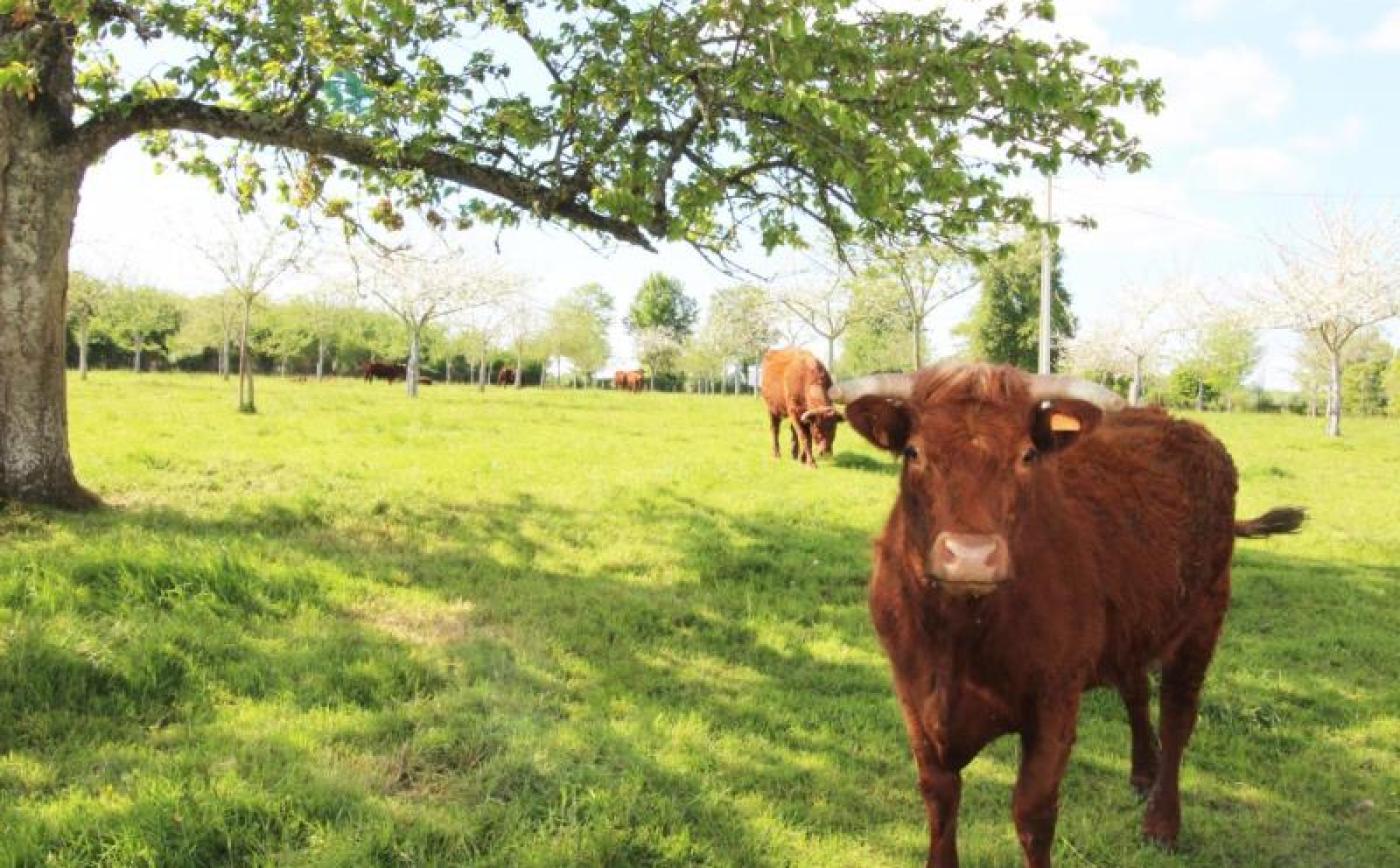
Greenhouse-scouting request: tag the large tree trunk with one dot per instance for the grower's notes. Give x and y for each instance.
(520, 367)
(918, 345)
(830, 353)
(139, 341)
(38, 202)
(411, 377)
(1334, 394)
(320, 358)
(1135, 388)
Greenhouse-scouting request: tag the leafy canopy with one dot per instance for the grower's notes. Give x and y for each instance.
(662, 305)
(1005, 323)
(684, 120)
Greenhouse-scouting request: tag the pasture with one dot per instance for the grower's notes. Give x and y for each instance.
(563, 628)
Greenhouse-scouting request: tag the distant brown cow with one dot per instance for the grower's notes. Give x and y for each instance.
(506, 377)
(794, 386)
(1044, 543)
(632, 381)
(387, 372)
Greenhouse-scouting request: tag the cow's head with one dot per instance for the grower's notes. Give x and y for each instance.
(973, 439)
(823, 421)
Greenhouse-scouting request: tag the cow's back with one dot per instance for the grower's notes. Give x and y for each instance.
(1154, 498)
(772, 384)
(794, 381)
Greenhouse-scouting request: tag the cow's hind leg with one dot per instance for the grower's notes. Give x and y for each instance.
(1183, 673)
(1035, 803)
(804, 443)
(775, 424)
(1136, 695)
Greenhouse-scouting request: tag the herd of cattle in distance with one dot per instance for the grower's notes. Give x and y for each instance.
(631, 381)
(1045, 540)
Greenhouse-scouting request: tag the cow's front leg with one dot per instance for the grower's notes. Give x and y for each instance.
(1045, 747)
(940, 786)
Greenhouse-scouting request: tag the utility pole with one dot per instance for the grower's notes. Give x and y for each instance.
(1047, 257)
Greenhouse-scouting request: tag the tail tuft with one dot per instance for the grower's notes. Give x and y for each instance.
(1282, 519)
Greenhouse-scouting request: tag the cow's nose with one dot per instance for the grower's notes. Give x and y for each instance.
(969, 562)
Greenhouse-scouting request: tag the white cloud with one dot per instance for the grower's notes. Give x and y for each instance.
(1314, 40)
(1346, 136)
(1249, 168)
(1386, 36)
(1203, 10)
(1209, 91)
(1139, 218)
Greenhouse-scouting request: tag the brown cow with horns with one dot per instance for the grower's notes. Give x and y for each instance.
(1045, 541)
(794, 386)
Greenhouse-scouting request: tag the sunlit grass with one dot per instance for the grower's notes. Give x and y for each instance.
(543, 628)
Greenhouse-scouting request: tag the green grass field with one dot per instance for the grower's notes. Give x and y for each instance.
(553, 628)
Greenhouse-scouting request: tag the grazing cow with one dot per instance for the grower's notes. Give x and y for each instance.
(632, 381)
(1043, 543)
(794, 386)
(387, 372)
(506, 377)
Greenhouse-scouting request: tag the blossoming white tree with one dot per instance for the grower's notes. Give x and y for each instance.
(1333, 282)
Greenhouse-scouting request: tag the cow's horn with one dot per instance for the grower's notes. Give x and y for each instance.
(899, 386)
(1047, 386)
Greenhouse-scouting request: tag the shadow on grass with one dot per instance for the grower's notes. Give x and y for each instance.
(468, 699)
(858, 461)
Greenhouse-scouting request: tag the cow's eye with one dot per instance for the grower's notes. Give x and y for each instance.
(1030, 455)
(910, 452)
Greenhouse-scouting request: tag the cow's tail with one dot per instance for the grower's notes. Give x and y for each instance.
(1281, 519)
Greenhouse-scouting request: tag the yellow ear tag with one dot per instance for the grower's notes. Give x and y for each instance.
(1063, 422)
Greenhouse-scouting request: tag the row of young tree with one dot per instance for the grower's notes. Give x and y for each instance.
(1332, 283)
(452, 335)
(876, 307)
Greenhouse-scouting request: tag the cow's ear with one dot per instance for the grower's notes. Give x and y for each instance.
(1060, 423)
(883, 421)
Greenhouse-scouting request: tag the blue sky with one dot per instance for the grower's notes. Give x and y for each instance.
(1272, 107)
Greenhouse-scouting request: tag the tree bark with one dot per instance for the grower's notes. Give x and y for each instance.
(320, 358)
(1334, 393)
(1135, 388)
(830, 353)
(246, 404)
(520, 367)
(411, 376)
(39, 184)
(82, 348)
(139, 341)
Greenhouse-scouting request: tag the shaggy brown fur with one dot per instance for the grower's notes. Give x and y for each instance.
(794, 385)
(1119, 538)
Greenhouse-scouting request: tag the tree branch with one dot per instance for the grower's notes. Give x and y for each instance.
(101, 132)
